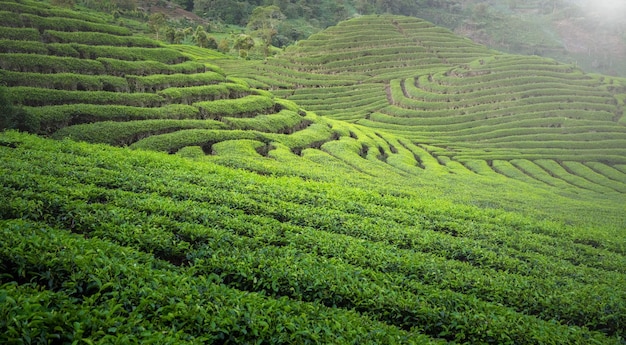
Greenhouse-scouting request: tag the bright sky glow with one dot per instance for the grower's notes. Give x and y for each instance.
(610, 11)
(612, 7)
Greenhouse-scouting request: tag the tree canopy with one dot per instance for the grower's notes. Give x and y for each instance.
(264, 23)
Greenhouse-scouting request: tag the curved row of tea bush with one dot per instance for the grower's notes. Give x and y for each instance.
(287, 219)
(99, 38)
(128, 132)
(52, 118)
(46, 10)
(65, 81)
(98, 291)
(71, 25)
(34, 96)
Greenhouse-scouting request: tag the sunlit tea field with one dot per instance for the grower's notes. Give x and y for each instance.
(382, 182)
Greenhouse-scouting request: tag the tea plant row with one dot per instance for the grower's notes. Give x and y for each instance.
(290, 226)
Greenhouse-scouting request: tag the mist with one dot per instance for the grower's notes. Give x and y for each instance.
(603, 11)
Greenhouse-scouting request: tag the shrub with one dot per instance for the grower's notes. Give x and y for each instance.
(28, 47)
(285, 121)
(172, 142)
(99, 38)
(143, 68)
(65, 81)
(19, 34)
(49, 64)
(10, 19)
(68, 24)
(163, 55)
(158, 82)
(242, 107)
(62, 49)
(191, 94)
(38, 8)
(126, 133)
(31, 96)
(53, 118)
(12, 117)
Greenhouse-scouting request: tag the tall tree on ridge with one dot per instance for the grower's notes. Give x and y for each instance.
(264, 23)
(156, 21)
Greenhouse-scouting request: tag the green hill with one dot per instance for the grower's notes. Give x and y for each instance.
(165, 195)
(457, 100)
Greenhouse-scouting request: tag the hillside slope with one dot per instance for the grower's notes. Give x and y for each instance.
(528, 118)
(100, 84)
(109, 244)
(230, 215)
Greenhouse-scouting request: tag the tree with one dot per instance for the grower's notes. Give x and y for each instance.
(211, 42)
(201, 37)
(155, 22)
(243, 43)
(224, 46)
(186, 32)
(170, 35)
(179, 35)
(480, 11)
(264, 23)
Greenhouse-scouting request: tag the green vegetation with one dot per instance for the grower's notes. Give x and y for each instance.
(470, 197)
(353, 248)
(459, 94)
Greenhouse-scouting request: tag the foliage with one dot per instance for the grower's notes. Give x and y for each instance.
(426, 222)
(29, 47)
(155, 22)
(224, 45)
(65, 81)
(120, 133)
(192, 94)
(243, 43)
(63, 3)
(99, 38)
(69, 24)
(12, 117)
(264, 22)
(117, 67)
(21, 34)
(36, 63)
(203, 39)
(110, 5)
(33, 96)
(55, 117)
(240, 107)
(158, 82)
(403, 261)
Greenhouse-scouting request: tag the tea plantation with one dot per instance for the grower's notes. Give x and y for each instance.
(383, 182)
(457, 100)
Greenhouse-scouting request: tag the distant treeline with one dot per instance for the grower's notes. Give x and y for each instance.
(304, 17)
(321, 13)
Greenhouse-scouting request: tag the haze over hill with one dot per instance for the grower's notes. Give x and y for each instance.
(590, 34)
(384, 181)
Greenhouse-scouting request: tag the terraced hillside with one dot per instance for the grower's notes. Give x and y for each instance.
(524, 117)
(350, 64)
(96, 82)
(76, 76)
(230, 215)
